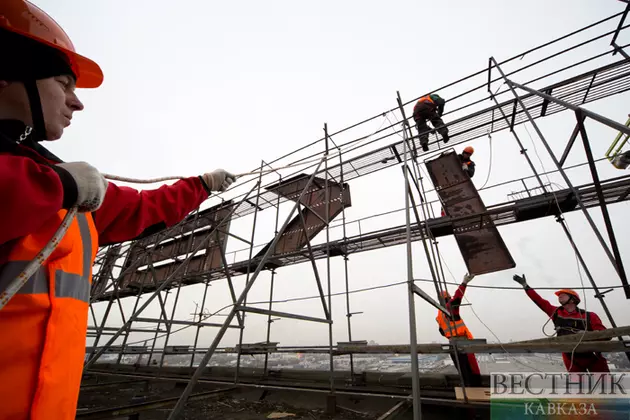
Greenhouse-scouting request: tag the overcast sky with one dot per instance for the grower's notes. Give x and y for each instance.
(195, 85)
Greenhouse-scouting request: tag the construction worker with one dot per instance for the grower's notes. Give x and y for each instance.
(467, 165)
(429, 108)
(569, 319)
(456, 328)
(43, 327)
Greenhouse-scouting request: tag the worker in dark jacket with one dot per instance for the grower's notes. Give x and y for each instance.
(43, 327)
(429, 108)
(456, 328)
(467, 165)
(569, 319)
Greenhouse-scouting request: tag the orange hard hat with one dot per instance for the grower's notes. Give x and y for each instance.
(569, 292)
(469, 150)
(24, 18)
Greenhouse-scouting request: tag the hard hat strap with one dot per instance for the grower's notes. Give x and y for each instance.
(37, 113)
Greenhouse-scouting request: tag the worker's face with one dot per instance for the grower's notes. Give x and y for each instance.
(58, 98)
(466, 155)
(563, 298)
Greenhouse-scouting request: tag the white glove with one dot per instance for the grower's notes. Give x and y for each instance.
(468, 278)
(218, 180)
(91, 185)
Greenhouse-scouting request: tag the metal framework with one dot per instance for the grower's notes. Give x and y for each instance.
(152, 268)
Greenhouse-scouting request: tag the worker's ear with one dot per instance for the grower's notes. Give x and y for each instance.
(3, 84)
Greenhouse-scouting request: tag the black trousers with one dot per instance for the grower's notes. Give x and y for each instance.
(423, 129)
(471, 378)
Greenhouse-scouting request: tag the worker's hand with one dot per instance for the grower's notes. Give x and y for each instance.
(218, 180)
(468, 278)
(520, 280)
(91, 185)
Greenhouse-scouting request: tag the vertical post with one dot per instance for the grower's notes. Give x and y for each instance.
(602, 202)
(273, 276)
(406, 136)
(249, 264)
(179, 406)
(413, 340)
(345, 261)
(332, 400)
(518, 140)
(576, 194)
(162, 286)
(200, 314)
(598, 295)
(168, 330)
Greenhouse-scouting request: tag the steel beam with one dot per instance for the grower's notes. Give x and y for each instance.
(161, 287)
(261, 311)
(593, 115)
(567, 149)
(413, 339)
(598, 295)
(600, 118)
(193, 380)
(602, 204)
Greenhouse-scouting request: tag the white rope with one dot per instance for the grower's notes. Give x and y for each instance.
(18, 282)
(178, 177)
(34, 265)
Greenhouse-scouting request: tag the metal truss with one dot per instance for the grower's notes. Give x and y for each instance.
(155, 268)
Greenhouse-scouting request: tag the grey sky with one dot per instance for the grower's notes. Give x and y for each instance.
(191, 86)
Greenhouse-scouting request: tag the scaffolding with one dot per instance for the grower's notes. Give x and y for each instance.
(152, 268)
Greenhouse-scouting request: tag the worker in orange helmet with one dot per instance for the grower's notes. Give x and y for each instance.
(467, 165)
(429, 108)
(569, 319)
(43, 327)
(456, 328)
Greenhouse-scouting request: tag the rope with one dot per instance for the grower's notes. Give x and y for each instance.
(17, 283)
(175, 178)
(585, 319)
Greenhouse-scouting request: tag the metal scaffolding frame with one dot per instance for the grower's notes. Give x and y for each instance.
(358, 157)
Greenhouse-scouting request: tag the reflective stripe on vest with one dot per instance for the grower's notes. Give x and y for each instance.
(450, 328)
(67, 285)
(43, 327)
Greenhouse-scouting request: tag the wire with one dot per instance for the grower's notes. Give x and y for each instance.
(490, 165)
(586, 316)
(480, 320)
(174, 178)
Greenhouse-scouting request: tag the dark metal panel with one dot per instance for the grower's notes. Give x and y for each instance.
(177, 248)
(478, 239)
(314, 212)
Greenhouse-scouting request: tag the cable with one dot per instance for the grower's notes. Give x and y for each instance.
(174, 178)
(490, 165)
(585, 319)
(480, 320)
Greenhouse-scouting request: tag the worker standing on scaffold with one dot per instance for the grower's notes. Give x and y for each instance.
(43, 327)
(569, 319)
(468, 166)
(429, 108)
(457, 329)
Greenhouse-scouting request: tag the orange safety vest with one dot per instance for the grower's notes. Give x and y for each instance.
(426, 98)
(452, 328)
(43, 327)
